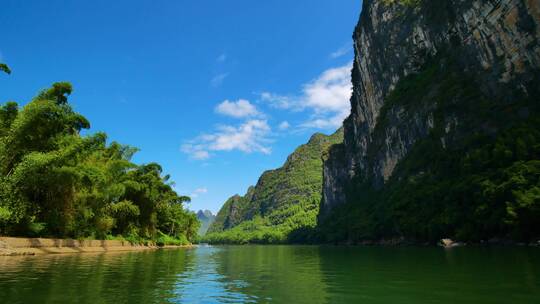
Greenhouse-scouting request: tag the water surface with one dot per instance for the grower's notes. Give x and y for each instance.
(277, 274)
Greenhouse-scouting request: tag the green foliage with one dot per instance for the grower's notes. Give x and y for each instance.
(4, 68)
(412, 3)
(283, 206)
(55, 182)
(164, 240)
(5, 215)
(57, 93)
(475, 176)
(36, 229)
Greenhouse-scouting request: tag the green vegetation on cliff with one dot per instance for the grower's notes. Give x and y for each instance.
(412, 3)
(475, 176)
(284, 204)
(56, 182)
(4, 68)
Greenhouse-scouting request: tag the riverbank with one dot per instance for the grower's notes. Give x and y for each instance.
(403, 242)
(12, 246)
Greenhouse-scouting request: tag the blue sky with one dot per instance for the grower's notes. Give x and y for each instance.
(214, 91)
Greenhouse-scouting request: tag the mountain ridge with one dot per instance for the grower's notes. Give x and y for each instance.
(284, 200)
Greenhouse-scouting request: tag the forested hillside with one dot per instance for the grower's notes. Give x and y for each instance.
(56, 182)
(284, 204)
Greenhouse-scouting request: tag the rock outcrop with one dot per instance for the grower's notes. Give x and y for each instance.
(411, 61)
(496, 39)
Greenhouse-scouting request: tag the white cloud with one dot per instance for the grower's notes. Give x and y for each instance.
(327, 96)
(342, 51)
(201, 190)
(249, 137)
(328, 122)
(196, 150)
(284, 125)
(198, 192)
(331, 91)
(238, 109)
(221, 58)
(200, 154)
(218, 79)
(279, 101)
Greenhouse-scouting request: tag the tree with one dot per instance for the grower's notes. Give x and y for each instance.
(55, 182)
(4, 68)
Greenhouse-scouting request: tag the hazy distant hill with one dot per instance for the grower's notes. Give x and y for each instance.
(207, 218)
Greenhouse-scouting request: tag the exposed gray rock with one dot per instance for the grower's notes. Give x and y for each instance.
(498, 40)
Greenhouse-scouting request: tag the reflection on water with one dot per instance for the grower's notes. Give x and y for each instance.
(134, 277)
(202, 283)
(278, 274)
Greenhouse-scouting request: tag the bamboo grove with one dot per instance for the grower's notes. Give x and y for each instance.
(54, 181)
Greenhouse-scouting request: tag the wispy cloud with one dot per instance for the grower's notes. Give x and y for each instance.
(329, 122)
(249, 137)
(218, 79)
(284, 125)
(342, 51)
(327, 97)
(197, 192)
(221, 58)
(280, 101)
(238, 109)
(193, 151)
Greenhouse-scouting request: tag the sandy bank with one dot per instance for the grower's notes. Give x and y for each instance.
(33, 246)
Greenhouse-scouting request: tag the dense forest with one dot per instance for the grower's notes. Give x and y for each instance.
(56, 182)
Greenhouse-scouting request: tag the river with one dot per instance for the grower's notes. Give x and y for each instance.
(277, 274)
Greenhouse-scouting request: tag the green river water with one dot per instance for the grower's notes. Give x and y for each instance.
(277, 274)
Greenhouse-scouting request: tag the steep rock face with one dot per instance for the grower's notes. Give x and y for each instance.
(288, 197)
(495, 40)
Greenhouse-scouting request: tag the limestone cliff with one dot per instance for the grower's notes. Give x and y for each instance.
(420, 66)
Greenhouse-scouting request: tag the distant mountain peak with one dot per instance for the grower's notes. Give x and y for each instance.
(206, 217)
(205, 214)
